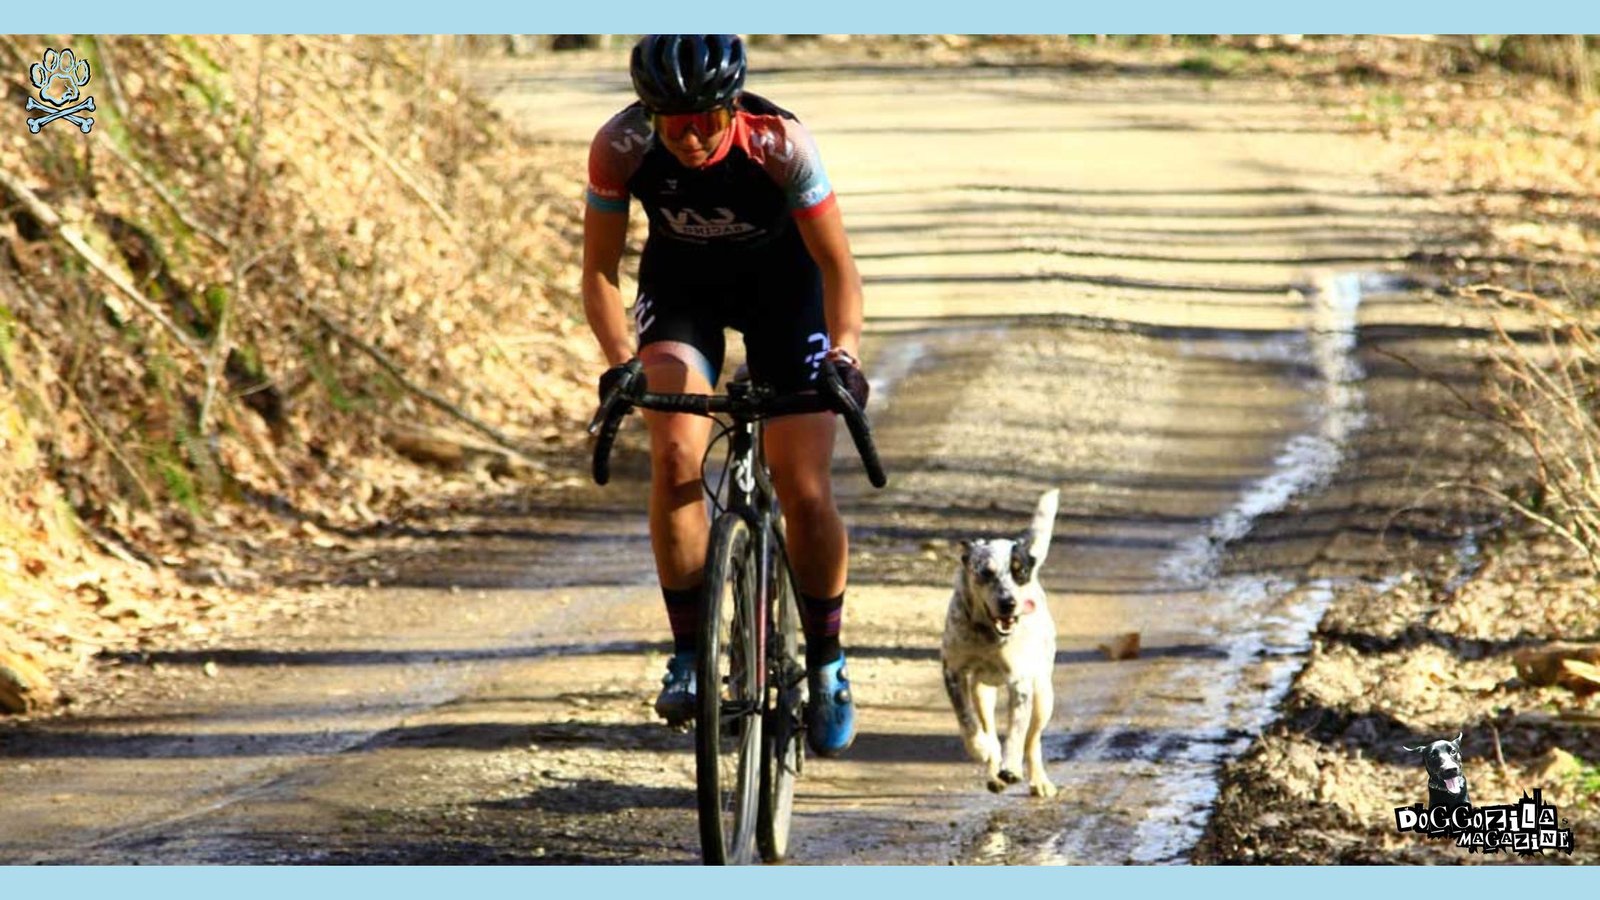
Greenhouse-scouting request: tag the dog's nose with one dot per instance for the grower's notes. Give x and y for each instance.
(1007, 606)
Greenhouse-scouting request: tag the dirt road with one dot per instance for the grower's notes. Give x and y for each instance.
(1145, 290)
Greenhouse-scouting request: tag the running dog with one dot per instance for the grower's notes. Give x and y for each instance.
(1447, 786)
(998, 632)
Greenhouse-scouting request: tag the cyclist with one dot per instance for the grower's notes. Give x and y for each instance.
(744, 233)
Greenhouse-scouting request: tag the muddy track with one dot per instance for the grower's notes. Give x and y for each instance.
(1149, 292)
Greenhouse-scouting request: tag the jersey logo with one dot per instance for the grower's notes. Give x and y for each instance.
(690, 223)
(630, 140)
(769, 141)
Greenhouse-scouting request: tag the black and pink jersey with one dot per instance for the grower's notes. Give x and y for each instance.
(765, 173)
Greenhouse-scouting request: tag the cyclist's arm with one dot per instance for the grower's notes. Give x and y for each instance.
(604, 236)
(841, 283)
(614, 156)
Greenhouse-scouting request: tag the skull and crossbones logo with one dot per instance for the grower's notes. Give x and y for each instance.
(60, 78)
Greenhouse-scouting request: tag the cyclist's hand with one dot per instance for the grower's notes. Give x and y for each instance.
(610, 378)
(849, 369)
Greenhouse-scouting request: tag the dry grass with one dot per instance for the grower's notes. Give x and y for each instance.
(1545, 398)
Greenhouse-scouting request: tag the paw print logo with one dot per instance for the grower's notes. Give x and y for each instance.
(60, 78)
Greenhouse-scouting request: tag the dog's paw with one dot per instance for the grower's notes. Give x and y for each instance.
(996, 785)
(1009, 776)
(1042, 788)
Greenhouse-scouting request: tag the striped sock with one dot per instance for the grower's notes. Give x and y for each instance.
(820, 619)
(683, 614)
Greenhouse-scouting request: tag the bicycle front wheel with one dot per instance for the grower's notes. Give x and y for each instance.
(782, 728)
(728, 728)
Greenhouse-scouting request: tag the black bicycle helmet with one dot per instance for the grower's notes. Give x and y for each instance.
(684, 73)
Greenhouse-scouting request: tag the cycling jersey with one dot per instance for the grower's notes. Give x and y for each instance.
(765, 170)
(723, 251)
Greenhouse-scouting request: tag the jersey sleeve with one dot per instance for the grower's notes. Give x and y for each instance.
(614, 156)
(790, 157)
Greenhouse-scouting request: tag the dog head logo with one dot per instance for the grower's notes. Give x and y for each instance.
(60, 79)
(1447, 784)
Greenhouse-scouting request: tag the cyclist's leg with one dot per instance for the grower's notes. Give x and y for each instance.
(785, 345)
(678, 526)
(786, 342)
(681, 346)
(681, 352)
(800, 454)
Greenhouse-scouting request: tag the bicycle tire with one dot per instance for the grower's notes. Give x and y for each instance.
(783, 737)
(728, 727)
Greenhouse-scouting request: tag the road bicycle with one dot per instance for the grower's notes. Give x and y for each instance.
(750, 726)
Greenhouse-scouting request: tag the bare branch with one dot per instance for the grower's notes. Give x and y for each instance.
(73, 238)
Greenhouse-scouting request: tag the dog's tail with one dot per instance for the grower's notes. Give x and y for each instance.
(1044, 524)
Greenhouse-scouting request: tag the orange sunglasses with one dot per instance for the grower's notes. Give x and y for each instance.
(706, 123)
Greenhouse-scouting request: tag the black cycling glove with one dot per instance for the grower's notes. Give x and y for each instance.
(610, 378)
(849, 369)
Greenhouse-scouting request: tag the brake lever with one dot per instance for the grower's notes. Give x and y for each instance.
(624, 388)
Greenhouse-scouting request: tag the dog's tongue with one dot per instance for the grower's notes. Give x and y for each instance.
(1453, 785)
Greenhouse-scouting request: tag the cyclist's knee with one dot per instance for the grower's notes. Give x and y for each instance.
(677, 442)
(807, 501)
(675, 461)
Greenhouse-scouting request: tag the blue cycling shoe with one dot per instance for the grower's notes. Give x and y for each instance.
(831, 713)
(677, 701)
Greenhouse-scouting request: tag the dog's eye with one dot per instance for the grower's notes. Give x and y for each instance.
(985, 574)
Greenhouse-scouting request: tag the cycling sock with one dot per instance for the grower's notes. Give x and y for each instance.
(820, 619)
(683, 614)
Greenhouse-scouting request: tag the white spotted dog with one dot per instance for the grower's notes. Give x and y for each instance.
(999, 633)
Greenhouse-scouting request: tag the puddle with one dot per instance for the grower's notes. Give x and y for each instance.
(1469, 559)
(1262, 624)
(1308, 460)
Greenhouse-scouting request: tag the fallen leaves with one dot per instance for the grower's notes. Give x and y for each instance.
(1121, 647)
(97, 421)
(23, 687)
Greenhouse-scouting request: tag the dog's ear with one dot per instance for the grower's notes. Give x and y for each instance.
(1037, 540)
(1457, 742)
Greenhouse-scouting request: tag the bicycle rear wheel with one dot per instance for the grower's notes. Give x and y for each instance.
(782, 737)
(728, 728)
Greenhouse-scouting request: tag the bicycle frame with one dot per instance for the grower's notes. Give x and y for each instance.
(752, 495)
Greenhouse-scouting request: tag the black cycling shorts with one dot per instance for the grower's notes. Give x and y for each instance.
(777, 306)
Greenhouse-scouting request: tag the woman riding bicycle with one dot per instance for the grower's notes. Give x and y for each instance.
(744, 234)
